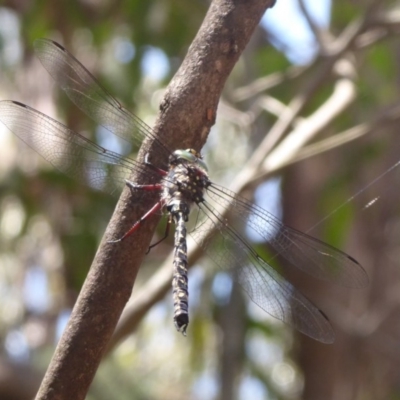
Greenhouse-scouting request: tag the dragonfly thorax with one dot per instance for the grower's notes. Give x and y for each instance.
(187, 178)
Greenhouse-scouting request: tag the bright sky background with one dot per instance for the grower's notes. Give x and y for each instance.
(286, 22)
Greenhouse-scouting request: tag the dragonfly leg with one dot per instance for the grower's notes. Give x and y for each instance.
(139, 222)
(133, 186)
(149, 164)
(167, 229)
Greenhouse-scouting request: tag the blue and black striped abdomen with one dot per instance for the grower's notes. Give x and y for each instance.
(179, 211)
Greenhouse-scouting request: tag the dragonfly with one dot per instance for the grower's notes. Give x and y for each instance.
(182, 184)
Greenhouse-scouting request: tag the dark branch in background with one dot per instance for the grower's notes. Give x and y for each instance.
(187, 113)
(17, 380)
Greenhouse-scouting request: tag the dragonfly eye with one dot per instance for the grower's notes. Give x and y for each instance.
(185, 155)
(192, 156)
(195, 153)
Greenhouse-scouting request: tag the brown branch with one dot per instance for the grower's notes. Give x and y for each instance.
(187, 113)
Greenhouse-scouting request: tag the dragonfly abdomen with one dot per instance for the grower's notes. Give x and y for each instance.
(179, 211)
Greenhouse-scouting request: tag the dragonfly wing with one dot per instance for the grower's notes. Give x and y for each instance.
(301, 250)
(261, 282)
(67, 150)
(86, 92)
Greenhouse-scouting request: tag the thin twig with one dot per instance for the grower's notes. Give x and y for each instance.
(386, 117)
(323, 36)
(343, 94)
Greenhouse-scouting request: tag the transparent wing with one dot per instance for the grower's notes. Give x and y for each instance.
(261, 282)
(86, 92)
(67, 150)
(301, 250)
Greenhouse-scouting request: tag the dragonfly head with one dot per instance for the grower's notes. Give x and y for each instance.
(191, 156)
